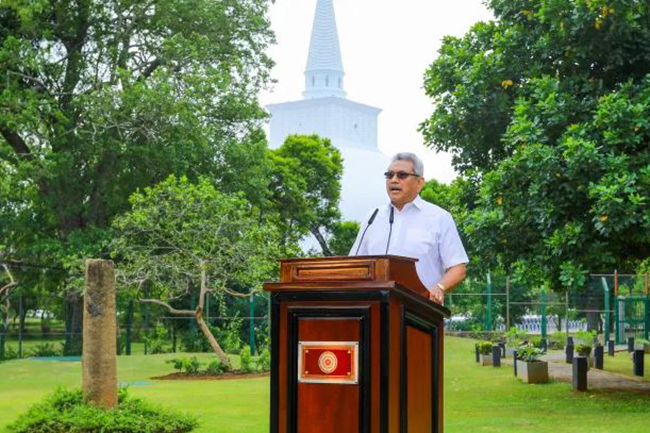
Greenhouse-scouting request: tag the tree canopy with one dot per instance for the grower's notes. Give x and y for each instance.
(100, 98)
(546, 112)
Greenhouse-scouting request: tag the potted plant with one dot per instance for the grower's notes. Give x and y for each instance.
(530, 368)
(585, 351)
(642, 344)
(485, 352)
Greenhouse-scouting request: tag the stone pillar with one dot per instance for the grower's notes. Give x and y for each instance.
(99, 362)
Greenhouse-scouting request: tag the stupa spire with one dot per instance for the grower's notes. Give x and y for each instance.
(324, 72)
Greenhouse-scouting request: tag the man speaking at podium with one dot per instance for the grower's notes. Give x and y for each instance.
(409, 226)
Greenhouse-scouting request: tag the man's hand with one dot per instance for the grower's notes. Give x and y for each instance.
(436, 295)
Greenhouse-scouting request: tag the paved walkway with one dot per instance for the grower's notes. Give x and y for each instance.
(596, 379)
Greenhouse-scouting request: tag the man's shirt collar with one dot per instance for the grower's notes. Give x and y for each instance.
(417, 203)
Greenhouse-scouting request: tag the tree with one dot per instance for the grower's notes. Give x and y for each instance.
(306, 188)
(182, 239)
(546, 111)
(99, 98)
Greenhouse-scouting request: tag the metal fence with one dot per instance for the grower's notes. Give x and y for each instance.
(615, 305)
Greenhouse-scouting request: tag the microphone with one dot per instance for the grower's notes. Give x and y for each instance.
(390, 221)
(372, 218)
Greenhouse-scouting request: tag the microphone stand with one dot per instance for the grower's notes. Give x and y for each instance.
(390, 221)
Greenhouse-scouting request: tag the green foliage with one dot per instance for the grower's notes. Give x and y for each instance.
(536, 342)
(529, 353)
(545, 110)
(585, 337)
(558, 340)
(305, 188)
(245, 360)
(343, 236)
(157, 340)
(64, 411)
(264, 361)
(485, 347)
(583, 349)
(515, 336)
(215, 368)
(44, 350)
(185, 365)
(102, 98)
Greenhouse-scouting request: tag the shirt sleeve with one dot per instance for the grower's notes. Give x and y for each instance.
(452, 252)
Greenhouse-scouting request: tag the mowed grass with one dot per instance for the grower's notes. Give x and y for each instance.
(483, 399)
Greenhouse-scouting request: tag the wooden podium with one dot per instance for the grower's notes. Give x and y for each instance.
(356, 347)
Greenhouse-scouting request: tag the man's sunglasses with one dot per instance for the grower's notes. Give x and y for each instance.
(401, 175)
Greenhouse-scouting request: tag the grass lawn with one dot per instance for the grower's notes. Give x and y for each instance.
(622, 363)
(477, 399)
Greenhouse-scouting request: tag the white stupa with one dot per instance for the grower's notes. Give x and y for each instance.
(324, 110)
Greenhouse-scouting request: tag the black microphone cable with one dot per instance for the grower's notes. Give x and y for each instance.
(372, 218)
(390, 221)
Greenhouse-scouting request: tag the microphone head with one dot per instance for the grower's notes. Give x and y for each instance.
(392, 215)
(372, 217)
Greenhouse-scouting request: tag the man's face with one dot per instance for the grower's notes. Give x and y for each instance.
(403, 191)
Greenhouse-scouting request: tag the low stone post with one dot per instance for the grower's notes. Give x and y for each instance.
(502, 346)
(638, 362)
(610, 347)
(496, 356)
(569, 353)
(599, 352)
(579, 373)
(99, 362)
(514, 361)
(630, 344)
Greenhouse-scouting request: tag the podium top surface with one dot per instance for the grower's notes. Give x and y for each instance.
(351, 271)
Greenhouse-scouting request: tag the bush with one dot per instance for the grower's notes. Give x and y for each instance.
(515, 337)
(585, 337)
(10, 353)
(189, 366)
(264, 361)
(485, 347)
(45, 349)
(245, 360)
(215, 368)
(583, 349)
(64, 411)
(529, 353)
(158, 341)
(558, 340)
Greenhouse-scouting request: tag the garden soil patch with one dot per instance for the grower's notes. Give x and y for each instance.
(224, 376)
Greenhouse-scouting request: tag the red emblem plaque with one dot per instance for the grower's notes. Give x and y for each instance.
(328, 362)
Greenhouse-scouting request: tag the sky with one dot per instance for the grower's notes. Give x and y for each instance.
(386, 48)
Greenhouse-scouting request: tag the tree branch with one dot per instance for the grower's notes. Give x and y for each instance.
(17, 143)
(171, 309)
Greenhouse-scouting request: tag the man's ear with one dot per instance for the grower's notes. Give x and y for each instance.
(420, 184)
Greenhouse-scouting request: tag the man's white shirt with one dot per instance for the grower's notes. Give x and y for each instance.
(421, 230)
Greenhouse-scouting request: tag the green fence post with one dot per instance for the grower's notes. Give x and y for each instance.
(543, 312)
(608, 307)
(646, 321)
(251, 327)
(488, 307)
